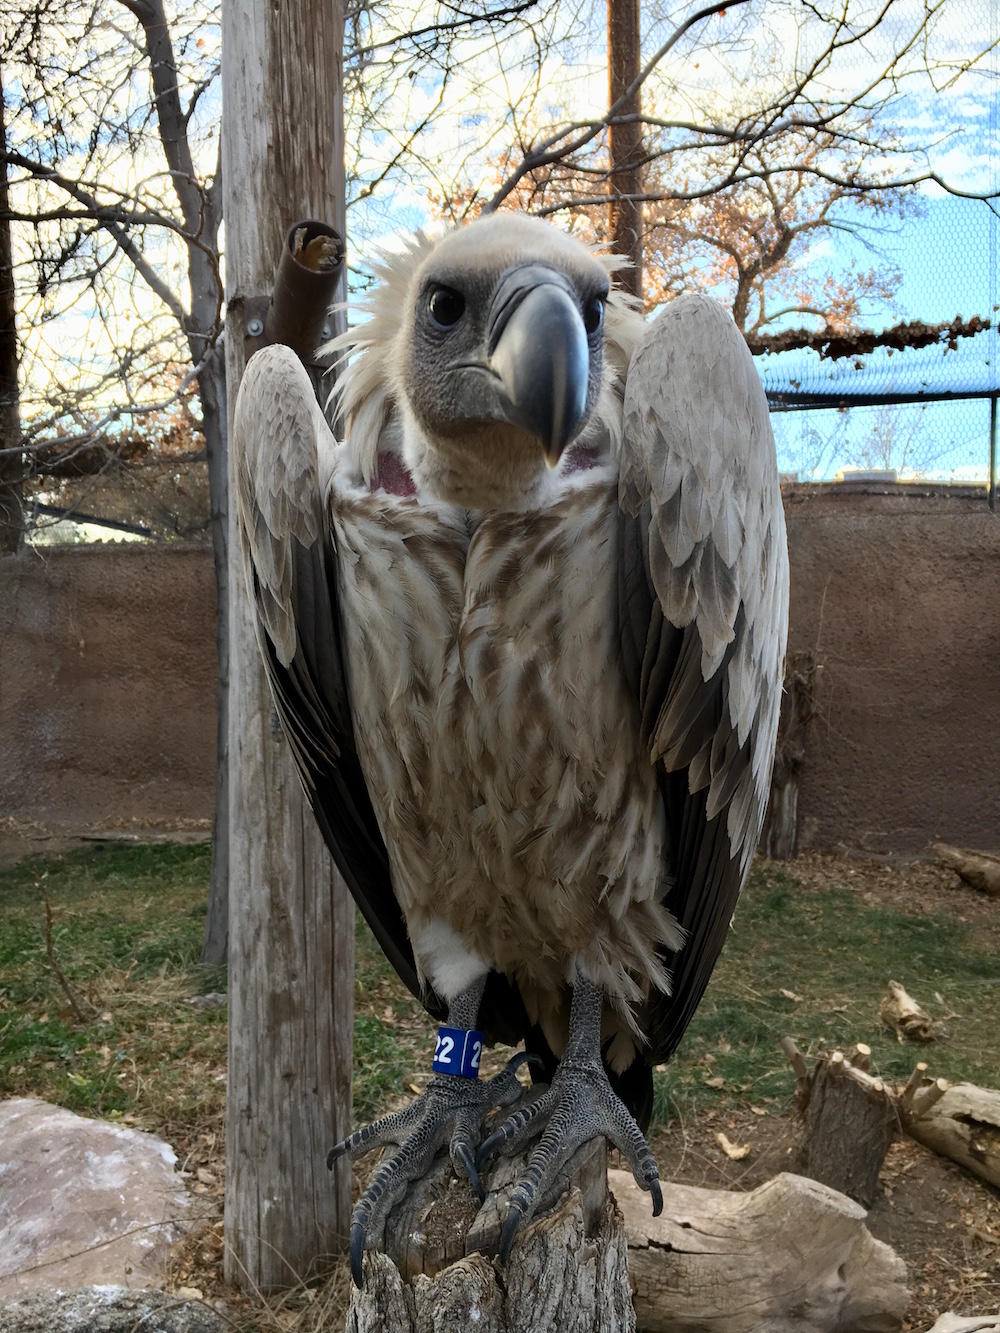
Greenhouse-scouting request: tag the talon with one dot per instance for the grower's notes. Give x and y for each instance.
(464, 1155)
(657, 1193)
(510, 1226)
(357, 1253)
(488, 1147)
(523, 1058)
(336, 1151)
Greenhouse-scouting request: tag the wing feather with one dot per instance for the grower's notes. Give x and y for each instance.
(281, 446)
(704, 606)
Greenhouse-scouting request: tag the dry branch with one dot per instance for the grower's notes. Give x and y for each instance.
(67, 990)
(793, 1256)
(978, 869)
(956, 1323)
(900, 1011)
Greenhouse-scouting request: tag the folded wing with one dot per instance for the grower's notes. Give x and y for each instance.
(704, 609)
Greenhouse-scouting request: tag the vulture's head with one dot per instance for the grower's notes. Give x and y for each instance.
(489, 351)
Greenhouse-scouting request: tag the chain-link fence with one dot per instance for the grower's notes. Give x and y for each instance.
(922, 413)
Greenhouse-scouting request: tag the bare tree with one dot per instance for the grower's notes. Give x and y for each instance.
(115, 163)
(792, 135)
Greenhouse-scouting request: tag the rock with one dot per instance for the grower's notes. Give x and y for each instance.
(84, 1202)
(106, 1310)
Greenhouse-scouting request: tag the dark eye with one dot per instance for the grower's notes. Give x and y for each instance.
(593, 314)
(446, 306)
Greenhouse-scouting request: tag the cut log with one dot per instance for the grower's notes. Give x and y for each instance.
(568, 1271)
(849, 1120)
(978, 869)
(791, 1257)
(961, 1122)
(957, 1323)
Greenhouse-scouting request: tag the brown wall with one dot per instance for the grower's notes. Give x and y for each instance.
(107, 684)
(898, 597)
(107, 708)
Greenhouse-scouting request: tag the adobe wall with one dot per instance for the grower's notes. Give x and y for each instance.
(107, 662)
(107, 685)
(897, 594)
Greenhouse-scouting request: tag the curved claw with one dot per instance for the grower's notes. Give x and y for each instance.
(657, 1193)
(463, 1153)
(357, 1251)
(511, 1223)
(336, 1151)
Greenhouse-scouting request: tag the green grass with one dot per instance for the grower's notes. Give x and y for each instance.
(126, 933)
(836, 954)
(127, 930)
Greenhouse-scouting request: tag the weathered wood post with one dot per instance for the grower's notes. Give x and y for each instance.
(291, 956)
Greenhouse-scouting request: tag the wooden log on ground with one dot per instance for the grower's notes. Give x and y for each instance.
(957, 1323)
(849, 1120)
(793, 1256)
(568, 1271)
(978, 869)
(961, 1122)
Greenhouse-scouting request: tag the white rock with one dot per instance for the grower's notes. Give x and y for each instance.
(106, 1310)
(83, 1202)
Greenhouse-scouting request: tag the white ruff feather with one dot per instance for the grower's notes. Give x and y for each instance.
(367, 390)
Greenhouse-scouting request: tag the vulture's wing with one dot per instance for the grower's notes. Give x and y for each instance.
(704, 607)
(282, 451)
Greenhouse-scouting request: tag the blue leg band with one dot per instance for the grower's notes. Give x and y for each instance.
(457, 1052)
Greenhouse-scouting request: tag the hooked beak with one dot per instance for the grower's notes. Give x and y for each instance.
(537, 347)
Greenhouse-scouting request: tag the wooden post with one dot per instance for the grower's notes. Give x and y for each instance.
(11, 464)
(291, 927)
(625, 140)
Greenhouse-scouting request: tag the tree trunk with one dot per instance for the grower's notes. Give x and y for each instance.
(963, 1123)
(625, 141)
(290, 920)
(780, 835)
(11, 464)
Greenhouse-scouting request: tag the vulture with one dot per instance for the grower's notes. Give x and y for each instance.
(524, 626)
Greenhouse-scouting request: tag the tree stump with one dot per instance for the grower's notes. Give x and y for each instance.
(437, 1273)
(849, 1121)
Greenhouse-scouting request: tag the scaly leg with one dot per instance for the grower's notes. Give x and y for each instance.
(579, 1105)
(449, 1111)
